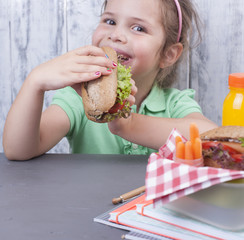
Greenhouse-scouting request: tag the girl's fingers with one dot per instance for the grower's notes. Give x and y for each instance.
(90, 69)
(89, 51)
(133, 87)
(131, 99)
(96, 61)
(133, 90)
(85, 76)
(94, 56)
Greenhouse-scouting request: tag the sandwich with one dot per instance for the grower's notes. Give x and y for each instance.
(223, 147)
(104, 99)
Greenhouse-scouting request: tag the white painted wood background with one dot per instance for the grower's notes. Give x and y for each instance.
(32, 32)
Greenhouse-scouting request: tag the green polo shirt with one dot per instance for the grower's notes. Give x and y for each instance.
(95, 138)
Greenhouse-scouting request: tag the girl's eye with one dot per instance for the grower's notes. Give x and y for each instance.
(139, 29)
(109, 21)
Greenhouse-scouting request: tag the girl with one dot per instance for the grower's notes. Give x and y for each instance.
(151, 36)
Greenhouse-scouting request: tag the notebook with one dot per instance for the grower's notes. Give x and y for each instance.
(126, 217)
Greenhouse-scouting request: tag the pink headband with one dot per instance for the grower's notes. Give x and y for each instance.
(180, 19)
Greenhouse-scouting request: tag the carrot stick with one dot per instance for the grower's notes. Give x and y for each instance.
(180, 150)
(177, 139)
(194, 132)
(188, 151)
(197, 148)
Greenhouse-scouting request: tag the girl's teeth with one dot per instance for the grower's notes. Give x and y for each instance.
(122, 58)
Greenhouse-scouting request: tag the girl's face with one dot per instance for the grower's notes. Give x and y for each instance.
(134, 29)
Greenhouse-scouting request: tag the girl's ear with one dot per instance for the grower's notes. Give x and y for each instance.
(171, 55)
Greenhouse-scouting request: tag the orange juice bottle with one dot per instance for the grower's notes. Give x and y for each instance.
(233, 107)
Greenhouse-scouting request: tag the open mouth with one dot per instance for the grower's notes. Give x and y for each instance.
(122, 58)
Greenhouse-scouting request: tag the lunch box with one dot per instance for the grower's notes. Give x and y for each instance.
(221, 205)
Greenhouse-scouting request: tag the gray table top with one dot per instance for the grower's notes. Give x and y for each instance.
(56, 196)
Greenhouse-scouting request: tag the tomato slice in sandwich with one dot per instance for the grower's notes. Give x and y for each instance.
(207, 145)
(116, 107)
(238, 157)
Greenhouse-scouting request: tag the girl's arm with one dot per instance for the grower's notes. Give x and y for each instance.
(28, 132)
(153, 132)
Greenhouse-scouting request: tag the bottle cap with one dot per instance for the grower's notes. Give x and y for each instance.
(236, 80)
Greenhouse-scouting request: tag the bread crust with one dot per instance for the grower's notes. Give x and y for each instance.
(224, 132)
(100, 95)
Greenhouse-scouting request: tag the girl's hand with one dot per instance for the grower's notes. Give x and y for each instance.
(117, 125)
(80, 65)
(131, 98)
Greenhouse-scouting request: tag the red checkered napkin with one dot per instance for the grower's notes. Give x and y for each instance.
(167, 180)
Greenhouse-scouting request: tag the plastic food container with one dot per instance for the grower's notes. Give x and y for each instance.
(221, 205)
(196, 162)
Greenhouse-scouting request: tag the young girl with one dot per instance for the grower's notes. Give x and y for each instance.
(151, 36)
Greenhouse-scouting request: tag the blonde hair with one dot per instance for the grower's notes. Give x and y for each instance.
(190, 20)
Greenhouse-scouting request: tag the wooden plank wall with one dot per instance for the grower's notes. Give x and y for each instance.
(31, 32)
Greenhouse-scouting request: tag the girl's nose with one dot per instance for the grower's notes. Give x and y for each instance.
(118, 36)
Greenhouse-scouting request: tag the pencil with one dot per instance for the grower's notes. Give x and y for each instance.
(129, 195)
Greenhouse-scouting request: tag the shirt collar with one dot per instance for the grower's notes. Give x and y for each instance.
(155, 101)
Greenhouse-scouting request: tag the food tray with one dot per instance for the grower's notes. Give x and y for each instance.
(221, 205)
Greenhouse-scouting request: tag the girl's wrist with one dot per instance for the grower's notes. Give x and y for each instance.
(120, 126)
(32, 81)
